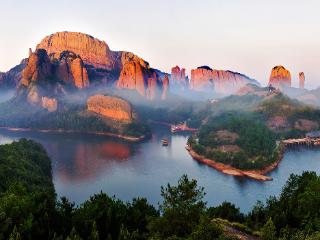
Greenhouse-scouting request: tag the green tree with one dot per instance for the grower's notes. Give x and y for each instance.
(182, 208)
(269, 231)
(94, 232)
(15, 235)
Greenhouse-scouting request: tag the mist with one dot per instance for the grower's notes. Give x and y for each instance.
(6, 95)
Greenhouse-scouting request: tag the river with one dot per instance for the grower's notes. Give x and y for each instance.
(86, 164)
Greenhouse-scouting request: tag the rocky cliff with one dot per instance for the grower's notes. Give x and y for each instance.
(93, 51)
(110, 107)
(178, 77)
(226, 82)
(71, 70)
(280, 77)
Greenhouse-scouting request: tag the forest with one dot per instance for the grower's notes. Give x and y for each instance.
(29, 208)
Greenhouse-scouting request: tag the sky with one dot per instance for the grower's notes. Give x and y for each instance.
(247, 36)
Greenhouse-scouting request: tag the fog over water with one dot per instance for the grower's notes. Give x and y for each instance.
(86, 164)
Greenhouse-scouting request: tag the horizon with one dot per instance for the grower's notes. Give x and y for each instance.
(170, 33)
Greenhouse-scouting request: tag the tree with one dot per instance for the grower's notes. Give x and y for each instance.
(206, 230)
(94, 232)
(182, 208)
(269, 231)
(15, 235)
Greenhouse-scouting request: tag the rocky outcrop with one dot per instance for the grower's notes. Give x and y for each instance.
(38, 69)
(206, 79)
(280, 77)
(133, 77)
(71, 70)
(152, 87)
(51, 104)
(42, 76)
(178, 77)
(111, 107)
(165, 87)
(93, 51)
(302, 80)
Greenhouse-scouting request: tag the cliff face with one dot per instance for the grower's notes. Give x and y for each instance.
(43, 77)
(71, 70)
(165, 87)
(132, 77)
(93, 51)
(226, 82)
(178, 76)
(110, 107)
(280, 77)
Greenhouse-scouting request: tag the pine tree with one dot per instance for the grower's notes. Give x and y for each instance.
(269, 231)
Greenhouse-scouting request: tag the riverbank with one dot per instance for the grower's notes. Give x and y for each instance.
(108, 134)
(258, 175)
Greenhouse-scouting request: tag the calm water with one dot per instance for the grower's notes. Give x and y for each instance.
(86, 164)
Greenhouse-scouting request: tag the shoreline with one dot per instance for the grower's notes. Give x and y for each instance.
(108, 134)
(258, 174)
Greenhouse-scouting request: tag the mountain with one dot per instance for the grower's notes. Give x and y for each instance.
(227, 82)
(104, 66)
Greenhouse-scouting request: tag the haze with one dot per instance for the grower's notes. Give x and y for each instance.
(247, 36)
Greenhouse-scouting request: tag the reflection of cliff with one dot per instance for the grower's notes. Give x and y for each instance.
(83, 161)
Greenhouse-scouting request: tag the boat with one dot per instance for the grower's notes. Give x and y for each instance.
(165, 142)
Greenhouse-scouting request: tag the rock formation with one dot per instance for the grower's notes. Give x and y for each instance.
(152, 87)
(165, 87)
(206, 79)
(71, 70)
(93, 51)
(302, 80)
(42, 76)
(280, 77)
(51, 104)
(178, 76)
(132, 77)
(111, 107)
(39, 68)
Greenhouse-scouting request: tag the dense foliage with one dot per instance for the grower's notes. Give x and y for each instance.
(254, 143)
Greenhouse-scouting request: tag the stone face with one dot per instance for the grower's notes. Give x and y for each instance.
(280, 77)
(178, 76)
(165, 87)
(302, 80)
(38, 69)
(110, 107)
(206, 79)
(71, 70)
(51, 104)
(132, 77)
(152, 87)
(93, 51)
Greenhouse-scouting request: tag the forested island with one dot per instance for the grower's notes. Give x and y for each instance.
(29, 208)
(241, 139)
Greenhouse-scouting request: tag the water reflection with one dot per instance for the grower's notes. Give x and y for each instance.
(86, 164)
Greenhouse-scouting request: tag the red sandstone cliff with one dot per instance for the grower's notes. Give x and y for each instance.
(93, 51)
(165, 87)
(220, 81)
(110, 107)
(71, 70)
(280, 77)
(178, 76)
